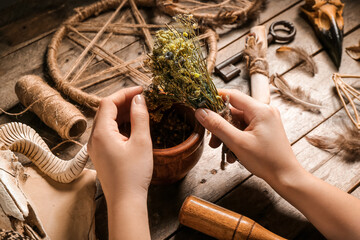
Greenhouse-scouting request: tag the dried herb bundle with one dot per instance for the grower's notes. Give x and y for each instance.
(295, 94)
(300, 55)
(180, 72)
(347, 141)
(181, 76)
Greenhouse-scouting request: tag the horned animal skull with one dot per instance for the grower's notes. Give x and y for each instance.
(327, 20)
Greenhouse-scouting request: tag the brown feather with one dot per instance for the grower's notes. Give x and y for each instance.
(300, 55)
(354, 52)
(348, 141)
(295, 94)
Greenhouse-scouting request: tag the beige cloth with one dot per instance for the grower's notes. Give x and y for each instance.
(66, 211)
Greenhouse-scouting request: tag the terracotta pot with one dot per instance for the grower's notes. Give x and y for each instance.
(172, 164)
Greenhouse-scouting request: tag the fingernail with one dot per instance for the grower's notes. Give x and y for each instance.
(139, 99)
(201, 114)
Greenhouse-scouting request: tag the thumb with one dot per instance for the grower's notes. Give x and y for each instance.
(139, 119)
(217, 125)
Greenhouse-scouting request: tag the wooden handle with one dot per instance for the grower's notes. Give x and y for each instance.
(259, 82)
(221, 223)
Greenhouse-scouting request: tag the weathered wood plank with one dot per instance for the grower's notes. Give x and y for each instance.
(230, 33)
(33, 21)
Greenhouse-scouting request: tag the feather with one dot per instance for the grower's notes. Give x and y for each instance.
(301, 56)
(354, 52)
(348, 141)
(295, 94)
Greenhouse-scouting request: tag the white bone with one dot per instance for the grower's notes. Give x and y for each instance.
(21, 138)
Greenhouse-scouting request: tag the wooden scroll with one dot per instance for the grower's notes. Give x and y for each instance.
(221, 223)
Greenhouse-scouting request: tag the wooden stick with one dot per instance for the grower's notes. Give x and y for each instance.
(148, 39)
(342, 87)
(93, 41)
(87, 63)
(122, 25)
(112, 69)
(221, 223)
(259, 82)
(110, 57)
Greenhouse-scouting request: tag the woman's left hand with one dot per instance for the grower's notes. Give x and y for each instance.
(124, 165)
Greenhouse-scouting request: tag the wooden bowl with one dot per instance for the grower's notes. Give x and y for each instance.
(172, 164)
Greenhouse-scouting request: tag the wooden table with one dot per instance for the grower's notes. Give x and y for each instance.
(22, 50)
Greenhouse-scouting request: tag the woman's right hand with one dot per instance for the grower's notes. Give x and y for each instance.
(262, 147)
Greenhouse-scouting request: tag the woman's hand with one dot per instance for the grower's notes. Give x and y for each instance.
(124, 165)
(262, 147)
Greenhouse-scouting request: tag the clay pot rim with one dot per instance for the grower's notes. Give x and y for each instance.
(196, 136)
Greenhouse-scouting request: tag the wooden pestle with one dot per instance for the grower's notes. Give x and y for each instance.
(221, 223)
(260, 89)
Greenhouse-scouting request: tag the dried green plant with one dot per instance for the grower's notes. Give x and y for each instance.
(180, 75)
(179, 70)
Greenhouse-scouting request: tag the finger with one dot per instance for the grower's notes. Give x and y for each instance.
(115, 103)
(236, 114)
(122, 99)
(125, 95)
(214, 142)
(242, 102)
(104, 125)
(218, 126)
(139, 118)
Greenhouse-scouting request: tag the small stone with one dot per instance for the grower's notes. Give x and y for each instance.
(213, 171)
(203, 180)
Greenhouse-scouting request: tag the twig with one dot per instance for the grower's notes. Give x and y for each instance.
(148, 39)
(93, 41)
(346, 89)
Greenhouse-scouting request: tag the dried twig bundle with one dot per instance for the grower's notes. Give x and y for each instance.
(295, 94)
(300, 55)
(354, 52)
(347, 141)
(215, 13)
(349, 93)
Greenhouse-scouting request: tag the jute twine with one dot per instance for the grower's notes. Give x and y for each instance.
(50, 107)
(212, 13)
(63, 83)
(255, 57)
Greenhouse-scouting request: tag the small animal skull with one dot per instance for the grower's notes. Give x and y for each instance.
(326, 17)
